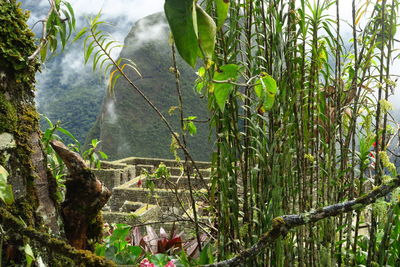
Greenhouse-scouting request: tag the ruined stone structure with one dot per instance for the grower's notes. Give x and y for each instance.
(138, 197)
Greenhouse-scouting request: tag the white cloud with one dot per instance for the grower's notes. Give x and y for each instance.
(145, 33)
(131, 9)
(110, 112)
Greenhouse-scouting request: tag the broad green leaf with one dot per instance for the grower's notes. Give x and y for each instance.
(80, 34)
(103, 155)
(266, 90)
(270, 84)
(207, 32)
(67, 133)
(259, 90)
(268, 101)
(134, 253)
(222, 7)
(110, 252)
(206, 255)
(29, 255)
(159, 259)
(120, 233)
(100, 250)
(71, 11)
(6, 193)
(182, 20)
(192, 129)
(43, 53)
(223, 90)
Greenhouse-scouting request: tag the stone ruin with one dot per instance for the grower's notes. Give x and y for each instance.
(133, 203)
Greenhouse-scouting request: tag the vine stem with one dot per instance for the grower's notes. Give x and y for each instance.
(192, 200)
(43, 40)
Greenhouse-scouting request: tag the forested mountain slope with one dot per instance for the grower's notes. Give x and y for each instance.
(73, 99)
(66, 90)
(127, 126)
(71, 93)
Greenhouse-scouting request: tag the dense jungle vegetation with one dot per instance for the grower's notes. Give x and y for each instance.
(304, 160)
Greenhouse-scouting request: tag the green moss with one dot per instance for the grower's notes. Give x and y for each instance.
(16, 39)
(8, 115)
(54, 190)
(17, 113)
(24, 210)
(278, 221)
(95, 231)
(53, 245)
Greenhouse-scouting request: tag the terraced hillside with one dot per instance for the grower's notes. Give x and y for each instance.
(139, 197)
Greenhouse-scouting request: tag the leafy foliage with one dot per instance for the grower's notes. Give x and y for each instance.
(100, 44)
(58, 26)
(301, 122)
(56, 165)
(124, 246)
(182, 17)
(225, 74)
(6, 193)
(94, 155)
(193, 29)
(222, 8)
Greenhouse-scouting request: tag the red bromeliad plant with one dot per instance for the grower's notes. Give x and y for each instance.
(153, 243)
(126, 246)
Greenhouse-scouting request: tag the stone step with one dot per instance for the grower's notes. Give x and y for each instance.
(144, 213)
(174, 171)
(157, 161)
(180, 182)
(130, 206)
(161, 197)
(112, 165)
(115, 177)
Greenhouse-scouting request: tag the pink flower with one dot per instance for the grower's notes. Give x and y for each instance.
(146, 263)
(170, 264)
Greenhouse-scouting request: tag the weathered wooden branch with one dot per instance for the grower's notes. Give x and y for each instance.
(44, 38)
(80, 257)
(282, 224)
(85, 196)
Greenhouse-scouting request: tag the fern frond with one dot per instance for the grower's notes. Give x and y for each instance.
(99, 45)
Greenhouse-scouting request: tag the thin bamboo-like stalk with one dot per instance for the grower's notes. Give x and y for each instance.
(301, 154)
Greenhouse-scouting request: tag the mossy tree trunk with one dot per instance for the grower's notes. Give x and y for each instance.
(21, 152)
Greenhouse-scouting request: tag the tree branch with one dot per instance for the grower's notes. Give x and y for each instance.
(282, 224)
(43, 40)
(84, 198)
